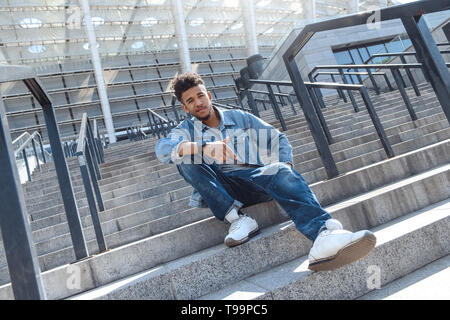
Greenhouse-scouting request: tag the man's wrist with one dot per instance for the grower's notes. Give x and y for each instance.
(289, 163)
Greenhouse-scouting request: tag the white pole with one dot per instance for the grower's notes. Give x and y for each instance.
(180, 29)
(98, 73)
(248, 14)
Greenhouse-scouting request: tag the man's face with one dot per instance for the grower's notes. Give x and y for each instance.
(197, 101)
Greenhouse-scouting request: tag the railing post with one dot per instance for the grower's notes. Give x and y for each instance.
(251, 103)
(292, 104)
(322, 121)
(377, 123)
(374, 83)
(90, 197)
(27, 166)
(21, 257)
(343, 81)
(318, 93)
(410, 76)
(36, 154)
(275, 106)
(42, 149)
(398, 81)
(94, 152)
(311, 118)
(339, 91)
(429, 55)
(350, 94)
(62, 171)
(388, 82)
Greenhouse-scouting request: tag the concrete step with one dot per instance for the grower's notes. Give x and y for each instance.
(269, 256)
(347, 183)
(403, 246)
(430, 282)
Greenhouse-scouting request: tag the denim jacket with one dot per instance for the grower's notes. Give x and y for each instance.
(253, 140)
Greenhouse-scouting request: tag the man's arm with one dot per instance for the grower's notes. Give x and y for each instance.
(167, 149)
(178, 145)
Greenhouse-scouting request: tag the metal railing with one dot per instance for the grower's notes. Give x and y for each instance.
(318, 112)
(89, 156)
(23, 265)
(428, 56)
(158, 125)
(370, 73)
(30, 143)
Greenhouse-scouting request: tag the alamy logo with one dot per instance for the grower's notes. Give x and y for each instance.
(74, 18)
(73, 281)
(374, 279)
(374, 20)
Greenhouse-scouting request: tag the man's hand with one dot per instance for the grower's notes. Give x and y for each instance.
(219, 151)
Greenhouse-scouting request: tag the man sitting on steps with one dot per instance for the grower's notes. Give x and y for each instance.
(234, 159)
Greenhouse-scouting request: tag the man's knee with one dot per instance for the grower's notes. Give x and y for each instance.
(189, 171)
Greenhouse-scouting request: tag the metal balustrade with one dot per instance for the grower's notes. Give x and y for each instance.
(89, 155)
(21, 147)
(428, 56)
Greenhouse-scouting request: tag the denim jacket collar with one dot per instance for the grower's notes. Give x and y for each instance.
(225, 120)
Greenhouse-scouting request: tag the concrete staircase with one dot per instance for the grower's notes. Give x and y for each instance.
(163, 249)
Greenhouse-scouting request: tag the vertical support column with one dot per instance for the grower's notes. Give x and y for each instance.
(311, 118)
(309, 10)
(433, 63)
(180, 29)
(248, 14)
(23, 265)
(98, 73)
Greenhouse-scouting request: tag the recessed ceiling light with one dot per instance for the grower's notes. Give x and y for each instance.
(196, 22)
(270, 30)
(263, 3)
(86, 46)
(236, 26)
(37, 48)
(138, 45)
(28, 23)
(96, 21)
(149, 22)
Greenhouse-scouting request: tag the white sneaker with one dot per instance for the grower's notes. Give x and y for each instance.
(241, 230)
(335, 247)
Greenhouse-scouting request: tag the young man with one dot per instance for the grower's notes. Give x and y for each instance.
(234, 159)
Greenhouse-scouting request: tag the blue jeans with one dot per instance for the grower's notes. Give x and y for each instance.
(224, 190)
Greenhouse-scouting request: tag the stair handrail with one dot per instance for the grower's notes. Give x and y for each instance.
(89, 161)
(412, 17)
(30, 140)
(331, 85)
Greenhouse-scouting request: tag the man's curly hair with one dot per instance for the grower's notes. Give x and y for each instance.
(183, 82)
